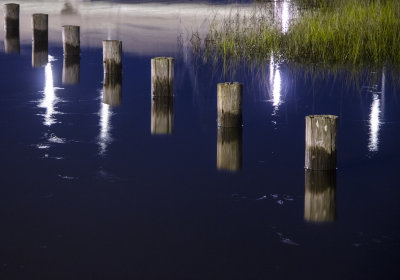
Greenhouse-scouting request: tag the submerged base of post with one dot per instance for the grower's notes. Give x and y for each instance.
(229, 104)
(320, 193)
(321, 131)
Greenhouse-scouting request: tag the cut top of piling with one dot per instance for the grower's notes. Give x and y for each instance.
(333, 117)
(11, 11)
(40, 22)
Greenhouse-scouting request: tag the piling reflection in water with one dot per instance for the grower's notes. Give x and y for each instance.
(11, 28)
(319, 199)
(375, 116)
(162, 115)
(229, 148)
(71, 69)
(112, 89)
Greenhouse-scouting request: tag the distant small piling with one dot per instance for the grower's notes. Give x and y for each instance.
(320, 196)
(112, 57)
(112, 89)
(71, 69)
(162, 76)
(11, 27)
(229, 148)
(71, 40)
(321, 131)
(40, 39)
(162, 115)
(229, 104)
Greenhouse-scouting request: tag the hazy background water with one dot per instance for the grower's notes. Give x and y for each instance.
(88, 192)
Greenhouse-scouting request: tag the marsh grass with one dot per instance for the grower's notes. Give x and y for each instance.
(339, 32)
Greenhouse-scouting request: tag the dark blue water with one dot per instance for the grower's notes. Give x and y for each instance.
(88, 192)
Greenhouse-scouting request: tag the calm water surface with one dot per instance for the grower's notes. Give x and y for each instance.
(91, 191)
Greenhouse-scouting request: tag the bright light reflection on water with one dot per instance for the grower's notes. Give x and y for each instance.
(374, 124)
(105, 126)
(275, 84)
(50, 99)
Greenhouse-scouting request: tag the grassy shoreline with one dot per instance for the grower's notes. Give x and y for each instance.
(352, 32)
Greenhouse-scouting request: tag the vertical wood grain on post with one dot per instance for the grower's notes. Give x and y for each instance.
(321, 142)
(162, 115)
(112, 89)
(162, 76)
(229, 104)
(11, 27)
(40, 39)
(71, 40)
(319, 198)
(112, 56)
(229, 148)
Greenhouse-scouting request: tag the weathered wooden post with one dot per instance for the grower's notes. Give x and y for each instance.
(162, 92)
(40, 40)
(162, 76)
(71, 40)
(71, 69)
(71, 48)
(112, 57)
(112, 66)
(229, 148)
(229, 140)
(162, 115)
(319, 199)
(11, 27)
(112, 89)
(229, 104)
(321, 142)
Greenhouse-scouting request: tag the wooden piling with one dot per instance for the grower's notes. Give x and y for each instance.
(71, 40)
(40, 39)
(11, 27)
(112, 57)
(229, 148)
(112, 89)
(229, 104)
(321, 142)
(162, 115)
(162, 76)
(71, 69)
(319, 198)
